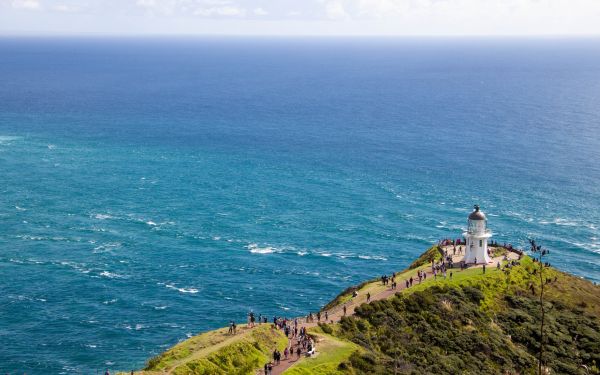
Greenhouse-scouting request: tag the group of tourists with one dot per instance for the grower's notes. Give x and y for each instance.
(449, 241)
(310, 318)
(299, 341)
(389, 280)
(438, 268)
(232, 328)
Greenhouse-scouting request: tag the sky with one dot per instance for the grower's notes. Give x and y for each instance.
(301, 17)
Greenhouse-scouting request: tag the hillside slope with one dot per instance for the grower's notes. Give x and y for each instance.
(478, 323)
(472, 322)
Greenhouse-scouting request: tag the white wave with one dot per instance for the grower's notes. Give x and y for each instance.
(6, 139)
(560, 222)
(20, 208)
(182, 290)
(139, 326)
(302, 253)
(160, 307)
(31, 238)
(216, 238)
(20, 297)
(325, 254)
(91, 346)
(77, 267)
(106, 247)
(110, 302)
(372, 257)
(111, 275)
(255, 249)
(151, 223)
(103, 216)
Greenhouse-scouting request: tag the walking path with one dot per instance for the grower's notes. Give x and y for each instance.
(337, 312)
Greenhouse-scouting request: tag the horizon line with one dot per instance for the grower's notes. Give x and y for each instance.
(279, 36)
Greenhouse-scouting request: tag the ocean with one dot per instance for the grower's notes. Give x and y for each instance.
(155, 188)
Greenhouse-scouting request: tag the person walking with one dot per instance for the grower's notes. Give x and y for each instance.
(344, 310)
(368, 297)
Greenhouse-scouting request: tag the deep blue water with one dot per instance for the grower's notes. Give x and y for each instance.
(152, 189)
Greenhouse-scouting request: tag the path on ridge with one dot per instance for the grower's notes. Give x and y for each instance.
(336, 313)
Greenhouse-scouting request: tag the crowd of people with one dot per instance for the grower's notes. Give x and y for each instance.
(299, 342)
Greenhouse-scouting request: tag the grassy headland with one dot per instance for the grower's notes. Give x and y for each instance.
(217, 352)
(470, 323)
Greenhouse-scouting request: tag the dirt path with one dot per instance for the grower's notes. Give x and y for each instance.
(336, 313)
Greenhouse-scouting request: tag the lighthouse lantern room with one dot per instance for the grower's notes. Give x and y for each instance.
(477, 236)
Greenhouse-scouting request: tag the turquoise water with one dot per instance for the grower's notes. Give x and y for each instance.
(152, 189)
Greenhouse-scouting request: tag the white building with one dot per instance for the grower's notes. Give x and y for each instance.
(477, 236)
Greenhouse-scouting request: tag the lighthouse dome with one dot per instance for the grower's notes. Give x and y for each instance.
(477, 215)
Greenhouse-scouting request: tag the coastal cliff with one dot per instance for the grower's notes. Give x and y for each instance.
(471, 320)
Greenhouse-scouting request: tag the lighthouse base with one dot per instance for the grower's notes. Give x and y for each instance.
(477, 256)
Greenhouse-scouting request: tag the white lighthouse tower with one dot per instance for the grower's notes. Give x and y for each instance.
(477, 237)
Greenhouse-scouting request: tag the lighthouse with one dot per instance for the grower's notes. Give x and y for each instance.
(477, 236)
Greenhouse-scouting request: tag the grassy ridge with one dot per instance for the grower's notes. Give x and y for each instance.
(479, 323)
(332, 358)
(216, 352)
(432, 254)
(374, 286)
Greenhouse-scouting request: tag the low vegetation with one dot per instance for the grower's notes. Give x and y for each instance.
(478, 323)
(332, 358)
(216, 352)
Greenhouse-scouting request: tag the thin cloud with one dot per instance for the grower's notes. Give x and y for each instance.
(307, 17)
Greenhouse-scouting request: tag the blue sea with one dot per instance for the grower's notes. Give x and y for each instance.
(152, 189)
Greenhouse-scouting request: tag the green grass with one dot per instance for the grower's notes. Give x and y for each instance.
(494, 283)
(215, 352)
(433, 253)
(333, 353)
(445, 326)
